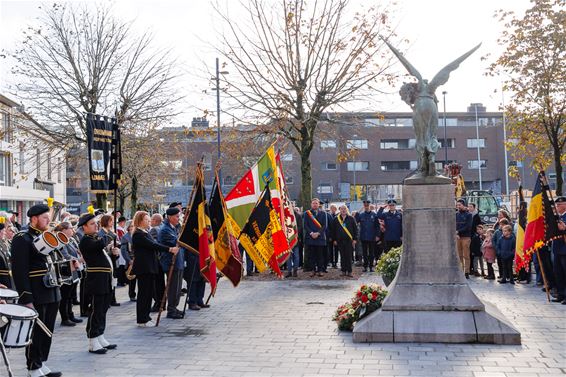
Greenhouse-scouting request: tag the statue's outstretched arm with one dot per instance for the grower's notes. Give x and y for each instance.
(412, 70)
(441, 77)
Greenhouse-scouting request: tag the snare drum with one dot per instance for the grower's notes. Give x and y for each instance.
(62, 237)
(46, 242)
(8, 293)
(21, 319)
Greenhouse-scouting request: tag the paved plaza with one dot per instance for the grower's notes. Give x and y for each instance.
(284, 328)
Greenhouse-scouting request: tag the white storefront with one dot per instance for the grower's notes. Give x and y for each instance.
(31, 169)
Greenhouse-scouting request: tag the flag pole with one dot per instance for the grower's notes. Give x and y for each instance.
(164, 298)
(543, 276)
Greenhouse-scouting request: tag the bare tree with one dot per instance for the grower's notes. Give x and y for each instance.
(298, 59)
(82, 60)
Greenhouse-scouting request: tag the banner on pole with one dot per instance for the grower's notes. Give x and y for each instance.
(104, 155)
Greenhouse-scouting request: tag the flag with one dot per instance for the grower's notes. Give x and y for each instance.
(262, 236)
(521, 259)
(228, 257)
(541, 225)
(242, 198)
(196, 234)
(287, 212)
(100, 141)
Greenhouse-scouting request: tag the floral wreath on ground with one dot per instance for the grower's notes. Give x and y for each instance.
(366, 300)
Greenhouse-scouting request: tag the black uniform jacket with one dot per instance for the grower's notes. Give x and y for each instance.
(98, 266)
(5, 269)
(29, 268)
(339, 234)
(146, 251)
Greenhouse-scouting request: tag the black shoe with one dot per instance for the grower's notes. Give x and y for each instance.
(563, 302)
(76, 320)
(194, 307)
(54, 374)
(557, 299)
(174, 315)
(114, 304)
(133, 299)
(502, 281)
(76, 302)
(467, 276)
(204, 306)
(289, 275)
(370, 269)
(184, 290)
(101, 351)
(68, 323)
(111, 346)
(512, 282)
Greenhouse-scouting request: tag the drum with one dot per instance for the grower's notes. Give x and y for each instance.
(8, 293)
(21, 319)
(46, 242)
(62, 237)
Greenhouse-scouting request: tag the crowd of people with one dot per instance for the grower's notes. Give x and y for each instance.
(142, 254)
(106, 251)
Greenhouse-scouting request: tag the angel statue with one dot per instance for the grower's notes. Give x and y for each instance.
(420, 96)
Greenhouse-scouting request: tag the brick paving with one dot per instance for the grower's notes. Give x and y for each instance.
(284, 328)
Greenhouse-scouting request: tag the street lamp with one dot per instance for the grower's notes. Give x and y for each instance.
(445, 140)
(217, 79)
(478, 145)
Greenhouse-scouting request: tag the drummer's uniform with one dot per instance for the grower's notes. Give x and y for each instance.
(29, 268)
(5, 269)
(98, 283)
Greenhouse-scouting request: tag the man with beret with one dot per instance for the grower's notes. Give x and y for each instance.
(14, 220)
(559, 250)
(393, 223)
(168, 235)
(369, 234)
(98, 283)
(29, 270)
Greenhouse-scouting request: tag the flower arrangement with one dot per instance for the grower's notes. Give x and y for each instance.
(388, 264)
(367, 299)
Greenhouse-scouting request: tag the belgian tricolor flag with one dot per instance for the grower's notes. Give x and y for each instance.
(262, 236)
(521, 258)
(196, 234)
(541, 225)
(228, 258)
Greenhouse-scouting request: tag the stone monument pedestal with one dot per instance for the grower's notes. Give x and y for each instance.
(430, 299)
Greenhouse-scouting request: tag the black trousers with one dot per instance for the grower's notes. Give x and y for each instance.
(38, 350)
(174, 290)
(507, 265)
(96, 323)
(560, 274)
(388, 245)
(368, 253)
(346, 251)
(547, 265)
(66, 303)
(158, 286)
(146, 288)
(333, 253)
(121, 275)
(490, 271)
(85, 299)
(196, 293)
(316, 254)
(132, 288)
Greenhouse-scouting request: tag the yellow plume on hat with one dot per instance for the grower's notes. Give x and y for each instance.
(2, 220)
(90, 209)
(50, 202)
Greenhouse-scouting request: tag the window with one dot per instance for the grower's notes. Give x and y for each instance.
(325, 188)
(6, 129)
(450, 122)
(59, 169)
(398, 165)
(327, 144)
(329, 166)
(398, 122)
(49, 167)
(473, 164)
(22, 157)
(5, 169)
(357, 144)
(397, 143)
(358, 166)
(287, 157)
(450, 142)
(474, 143)
(38, 162)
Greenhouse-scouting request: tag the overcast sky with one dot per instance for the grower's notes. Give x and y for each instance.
(438, 30)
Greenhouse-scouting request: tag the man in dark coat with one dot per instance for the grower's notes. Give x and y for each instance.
(315, 224)
(344, 235)
(99, 283)
(29, 271)
(369, 234)
(393, 223)
(464, 233)
(5, 269)
(559, 251)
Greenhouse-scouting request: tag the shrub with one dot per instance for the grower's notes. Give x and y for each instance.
(389, 263)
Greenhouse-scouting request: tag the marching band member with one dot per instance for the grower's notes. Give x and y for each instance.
(98, 284)
(29, 269)
(5, 270)
(108, 236)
